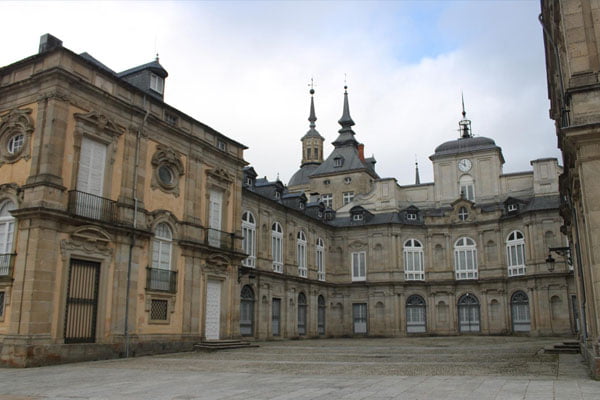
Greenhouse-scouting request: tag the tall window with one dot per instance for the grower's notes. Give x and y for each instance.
(301, 254)
(320, 261)
(156, 83)
(249, 239)
(465, 258)
(92, 159)
(415, 314)
(515, 253)
(321, 316)
(277, 246)
(347, 197)
(162, 247)
(247, 311)
(7, 232)
(327, 200)
(468, 313)
(301, 314)
(414, 268)
(467, 188)
(215, 209)
(359, 266)
(519, 305)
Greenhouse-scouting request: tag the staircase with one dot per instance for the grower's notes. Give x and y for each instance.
(568, 347)
(214, 345)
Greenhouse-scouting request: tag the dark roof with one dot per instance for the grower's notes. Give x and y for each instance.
(301, 176)
(352, 162)
(154, 66)
(465, 145)
(544, 203)
(93, 60)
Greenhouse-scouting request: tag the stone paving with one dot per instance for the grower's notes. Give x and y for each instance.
(499, 368)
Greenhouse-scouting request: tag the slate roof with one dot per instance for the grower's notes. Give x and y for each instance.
(352, 162)
(300, 177)
(465, 145)
(154, 66)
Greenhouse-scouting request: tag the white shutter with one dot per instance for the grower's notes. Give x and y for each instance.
(90, 177)
(214, 217)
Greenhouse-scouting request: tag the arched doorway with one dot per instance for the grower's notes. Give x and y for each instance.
(468, 313)
(519, 305)
(415, 314)
(247, 311)
(321, 315)
(301, 314)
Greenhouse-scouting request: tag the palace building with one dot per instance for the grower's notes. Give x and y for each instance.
(128, 227)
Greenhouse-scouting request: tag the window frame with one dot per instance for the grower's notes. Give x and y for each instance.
(414, 253)
(361, 268)
(277, 246)
(249, 239)
(158, 244)
(466, 185)
(465, 259)
(320, 259)
(515, 250)
(327, 199)
(301, 254)
(347, 198)
(157, 83)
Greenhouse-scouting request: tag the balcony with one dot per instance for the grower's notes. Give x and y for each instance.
(162, 280)
(6, 264)
(91, 206)
(219, 239)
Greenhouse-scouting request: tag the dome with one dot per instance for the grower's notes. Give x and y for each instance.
(465, 145)
(301, 176)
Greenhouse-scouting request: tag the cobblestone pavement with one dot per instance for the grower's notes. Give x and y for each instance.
(400, 368)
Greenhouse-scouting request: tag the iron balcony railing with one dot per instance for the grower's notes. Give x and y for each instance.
(6, 263)
(92, 206)
(220, 239)
(162, 280)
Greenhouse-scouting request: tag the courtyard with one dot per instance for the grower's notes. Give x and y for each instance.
(465, 367)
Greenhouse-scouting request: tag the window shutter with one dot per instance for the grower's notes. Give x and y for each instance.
(90, 177)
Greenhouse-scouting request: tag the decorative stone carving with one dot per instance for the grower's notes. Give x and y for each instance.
(16, 129)
(167, 169)
(100, 122)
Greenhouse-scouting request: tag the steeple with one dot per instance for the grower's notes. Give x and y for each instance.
(312, 141)
(417, 178)
(464, 124)
(346, 133)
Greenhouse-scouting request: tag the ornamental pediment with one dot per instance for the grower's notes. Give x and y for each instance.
(101, 122)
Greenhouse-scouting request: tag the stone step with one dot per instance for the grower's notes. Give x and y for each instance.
(568, 347)
(213, 345)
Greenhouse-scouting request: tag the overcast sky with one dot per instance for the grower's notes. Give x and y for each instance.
(243, 68)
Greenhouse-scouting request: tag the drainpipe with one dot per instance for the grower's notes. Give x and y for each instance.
(135, 211)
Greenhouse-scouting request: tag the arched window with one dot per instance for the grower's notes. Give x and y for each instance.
(320, 259)
(515, 253)
(465, 258)
(247, 311)
(301, 314)
(277, 247)
(7, 233)
(162, 246)
(415, 314)
(321, 315)
(301, 254)
(468, 313)
(519, 305)
(414, 268)
(249, 239)
(467, 188)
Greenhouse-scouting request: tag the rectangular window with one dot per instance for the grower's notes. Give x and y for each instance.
(248, 245)
(516, 259)
(301, 250)
(413, 265)
(347, 197)
(214, 218)
(466, 264)
(276, 248)
(221, 145)
(411, 217)
(357, 217)
(92, 161)
(359, 317)
(2, 304)
(158, 310)
(171, 119)
(327, 200)
(359, 266)
(156, 83)
(512, 207)
(275, 316)
(468, 191)
(320, 264)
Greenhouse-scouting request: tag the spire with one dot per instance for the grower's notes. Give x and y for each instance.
(464, 124)
(346, 121)
(417, 178)
(312, 117)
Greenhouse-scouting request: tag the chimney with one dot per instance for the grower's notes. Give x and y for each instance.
(361, 152)
(49, 42)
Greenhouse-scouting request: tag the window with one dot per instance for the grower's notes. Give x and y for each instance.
(214, 218)
(347, 180)
(326, 182)
(519, 305)
(7, 232)
(246, 311)
(515, 253)
(321, 315)
(249, 181)
(414, 269)
(359, 266)
(301, 314)
(301, 254)
(316, 153)
(512, 207)
(166, 175)
(170, 119)
(338, 162)
(156, 83)
(468, 313)
(327, 200)
(92, 159)
(357, 217)
(463, 214)
(467, 188)
(465, 258)
(15, 143)
(415, 314)
(249, 239)
(347, 197)
(411, 216)
(162, 247)
(359, 317)
(277, 195)
(221, 145)
(320, 261)
(308, 153)
(159, 310)
(277, 247)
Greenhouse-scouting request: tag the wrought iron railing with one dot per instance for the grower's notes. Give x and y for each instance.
(220, 239)
(92, 206)
(6, 263)
(163, 280)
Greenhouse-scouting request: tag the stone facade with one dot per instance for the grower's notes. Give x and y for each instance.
(128, 227)
(572, 41)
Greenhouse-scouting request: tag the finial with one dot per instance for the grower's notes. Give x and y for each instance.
(464, 124)
(156, 57)
(417, 178)
(464, 113)
(345, 83)
(346, 121)
(311, 84)
(312, 117)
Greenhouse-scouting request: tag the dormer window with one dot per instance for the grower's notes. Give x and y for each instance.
(157, 83)
(302, 206)
(357, 217)
(513, 208)
(326, 182)
(338, 162)
(411, 216)
(170, 119)
(347, 180)
(277, 195)
(221, 145)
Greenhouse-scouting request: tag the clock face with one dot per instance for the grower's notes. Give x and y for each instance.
(464, 165)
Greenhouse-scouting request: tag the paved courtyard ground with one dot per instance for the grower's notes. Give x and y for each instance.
(399, 368)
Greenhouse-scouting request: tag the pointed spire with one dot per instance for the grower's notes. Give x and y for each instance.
(464, 124)
(346, 121)
(312, 117)
(417, 178)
